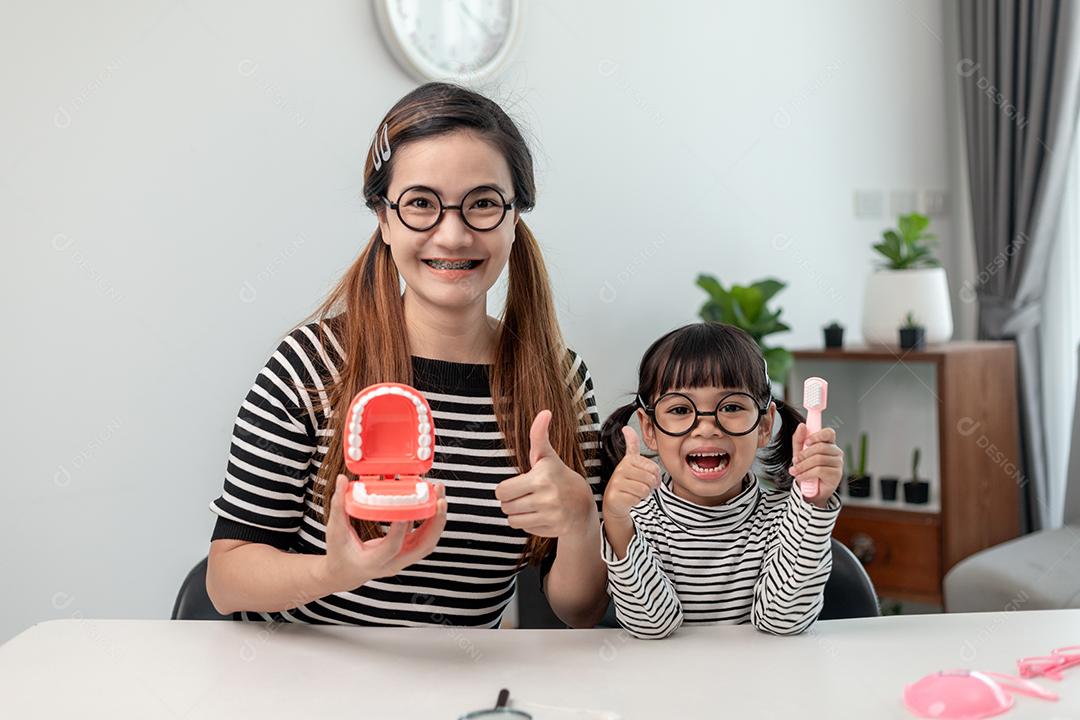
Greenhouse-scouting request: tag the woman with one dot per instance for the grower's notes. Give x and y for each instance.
(514, 410)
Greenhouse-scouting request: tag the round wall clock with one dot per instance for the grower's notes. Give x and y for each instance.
(463, 41)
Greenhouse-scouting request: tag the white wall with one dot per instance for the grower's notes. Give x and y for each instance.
(179, 184)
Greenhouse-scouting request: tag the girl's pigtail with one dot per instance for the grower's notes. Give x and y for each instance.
(777, 456)
(612, 441)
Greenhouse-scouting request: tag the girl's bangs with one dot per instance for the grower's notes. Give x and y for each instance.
(701, 355)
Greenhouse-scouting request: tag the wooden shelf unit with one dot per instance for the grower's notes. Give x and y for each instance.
(969, 391)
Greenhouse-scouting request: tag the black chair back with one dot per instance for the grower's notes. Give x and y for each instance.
(192, 602)
(848, 592)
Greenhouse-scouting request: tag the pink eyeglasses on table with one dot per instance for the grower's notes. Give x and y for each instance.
(1051, 665)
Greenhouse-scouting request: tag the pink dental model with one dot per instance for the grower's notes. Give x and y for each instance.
(389, 444)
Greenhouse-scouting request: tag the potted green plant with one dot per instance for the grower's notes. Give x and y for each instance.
(747, 308)
(859, 482)
(908, 274)
(834, 335)
(889, 484)
(916, 490)
(912, 333)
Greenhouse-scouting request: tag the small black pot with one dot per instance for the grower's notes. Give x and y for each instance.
(888, 488)
(912, 338)
(858, 486)
(917, 492)
(834, 337)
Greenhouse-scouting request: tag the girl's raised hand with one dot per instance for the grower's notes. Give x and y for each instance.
(350, 562)
(634, 479)
(820, 459)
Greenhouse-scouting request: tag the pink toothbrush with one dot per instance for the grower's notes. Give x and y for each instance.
(815, 395)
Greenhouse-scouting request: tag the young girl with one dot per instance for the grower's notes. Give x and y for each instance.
(448, 175)
(703, 542)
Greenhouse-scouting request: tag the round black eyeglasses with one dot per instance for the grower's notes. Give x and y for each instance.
(675, 414)
(420, 208)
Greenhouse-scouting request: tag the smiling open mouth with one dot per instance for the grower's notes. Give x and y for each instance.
(453, 264)
(708, 462)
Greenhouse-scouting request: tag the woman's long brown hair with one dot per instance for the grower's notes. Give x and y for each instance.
(366, 314)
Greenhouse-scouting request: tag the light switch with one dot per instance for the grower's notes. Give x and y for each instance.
(901, 202)
(933, 203)
(869, 204)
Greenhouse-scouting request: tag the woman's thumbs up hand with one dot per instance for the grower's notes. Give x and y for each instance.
(550, 500)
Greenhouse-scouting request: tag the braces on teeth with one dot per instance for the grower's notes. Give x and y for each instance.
(451, 264)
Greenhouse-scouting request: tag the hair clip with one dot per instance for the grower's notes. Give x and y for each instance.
(381, 154)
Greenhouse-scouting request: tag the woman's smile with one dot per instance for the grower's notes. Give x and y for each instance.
(453, 268)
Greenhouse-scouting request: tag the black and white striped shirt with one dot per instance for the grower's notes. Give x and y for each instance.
(271, 492)
(763, 557)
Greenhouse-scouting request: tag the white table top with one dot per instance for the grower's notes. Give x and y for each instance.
(840, 669)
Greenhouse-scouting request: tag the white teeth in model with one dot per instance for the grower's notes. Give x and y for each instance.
(423, 438)
(419, 495)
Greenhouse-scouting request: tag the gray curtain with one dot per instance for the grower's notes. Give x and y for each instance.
(1020, 80)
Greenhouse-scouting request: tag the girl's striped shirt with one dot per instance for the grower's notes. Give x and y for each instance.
(763, 558)
(271, 492)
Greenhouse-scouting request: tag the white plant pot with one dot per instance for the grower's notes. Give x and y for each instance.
(892, 294)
